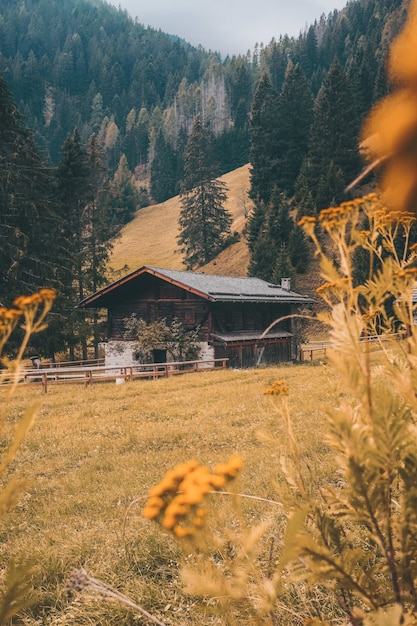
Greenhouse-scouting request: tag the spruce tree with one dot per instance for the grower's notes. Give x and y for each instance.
(283, 267)
(298, 251)
(267, 237)
(124, 197)
(29, 225)
(99, 231)
(204, 223)
(163, 170)
(31, 246)
(264, 150)
(294, 115)
(332, 159)
(74, 193)
(309, 52)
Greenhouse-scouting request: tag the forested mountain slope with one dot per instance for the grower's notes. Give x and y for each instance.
(85, 64)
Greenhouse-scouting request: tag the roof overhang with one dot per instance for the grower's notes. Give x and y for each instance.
(264, 299)
(251, 337)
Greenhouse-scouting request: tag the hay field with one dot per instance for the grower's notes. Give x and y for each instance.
(93, 451)
(150, 238)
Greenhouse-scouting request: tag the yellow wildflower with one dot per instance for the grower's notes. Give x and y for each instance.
(47, 294)
(178, 496)
(278, 388)
(306, 219)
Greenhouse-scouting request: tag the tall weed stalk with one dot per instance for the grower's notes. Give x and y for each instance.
(30, 312)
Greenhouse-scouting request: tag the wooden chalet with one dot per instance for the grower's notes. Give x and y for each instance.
(230, 313)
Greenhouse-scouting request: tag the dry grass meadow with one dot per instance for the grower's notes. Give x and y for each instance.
(93, 451)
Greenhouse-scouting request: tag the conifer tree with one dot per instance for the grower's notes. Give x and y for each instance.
(99, 231)
(298, 251)
(294, 117)
(309, 52)
(124, 197)
(29, 225)
(283, 267)
(332, 159)
(333, 141)
(163, 170)
(264, 141)
(267, 236)
(74, 194)
(204, 223)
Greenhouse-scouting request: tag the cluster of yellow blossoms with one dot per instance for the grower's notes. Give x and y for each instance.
(180, 494)
(28, 307)
(278, 388)
(385, 218)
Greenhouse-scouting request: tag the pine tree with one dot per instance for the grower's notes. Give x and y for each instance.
(283, 267)
(333, 141)
(295, 115)
(124, 198)
(267, 237)
(298, 251)
(29, 226)
(99, 231)
(264, 141)
(74, 194)
(163, 170)
(204, 223)
(309, 52)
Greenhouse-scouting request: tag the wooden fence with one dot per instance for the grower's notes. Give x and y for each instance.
(311, 349)
(100, 373)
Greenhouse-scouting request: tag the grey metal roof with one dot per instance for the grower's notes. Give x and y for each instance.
(212, 287)
(231, 289)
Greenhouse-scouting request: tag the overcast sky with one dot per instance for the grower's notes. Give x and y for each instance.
(228, 26)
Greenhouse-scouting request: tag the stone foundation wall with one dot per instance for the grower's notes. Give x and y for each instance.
(123, 353)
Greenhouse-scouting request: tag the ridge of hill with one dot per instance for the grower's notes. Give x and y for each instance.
(151, 237)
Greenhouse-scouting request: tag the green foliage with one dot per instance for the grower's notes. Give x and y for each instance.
(293, 119)
(332, 160)
(180, 344)
(74, 64)
(164, 182)
(278, 248)
(204, 222)
(264, 152)
(30, 237)
(124, 198)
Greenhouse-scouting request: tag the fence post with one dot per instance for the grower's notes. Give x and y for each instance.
(45, 382)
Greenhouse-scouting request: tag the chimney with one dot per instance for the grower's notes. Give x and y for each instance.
(286, 284)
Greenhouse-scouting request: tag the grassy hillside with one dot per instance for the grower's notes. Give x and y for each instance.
(150, 239)
(93, 451)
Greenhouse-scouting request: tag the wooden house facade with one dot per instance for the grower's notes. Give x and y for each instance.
(231, 314)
